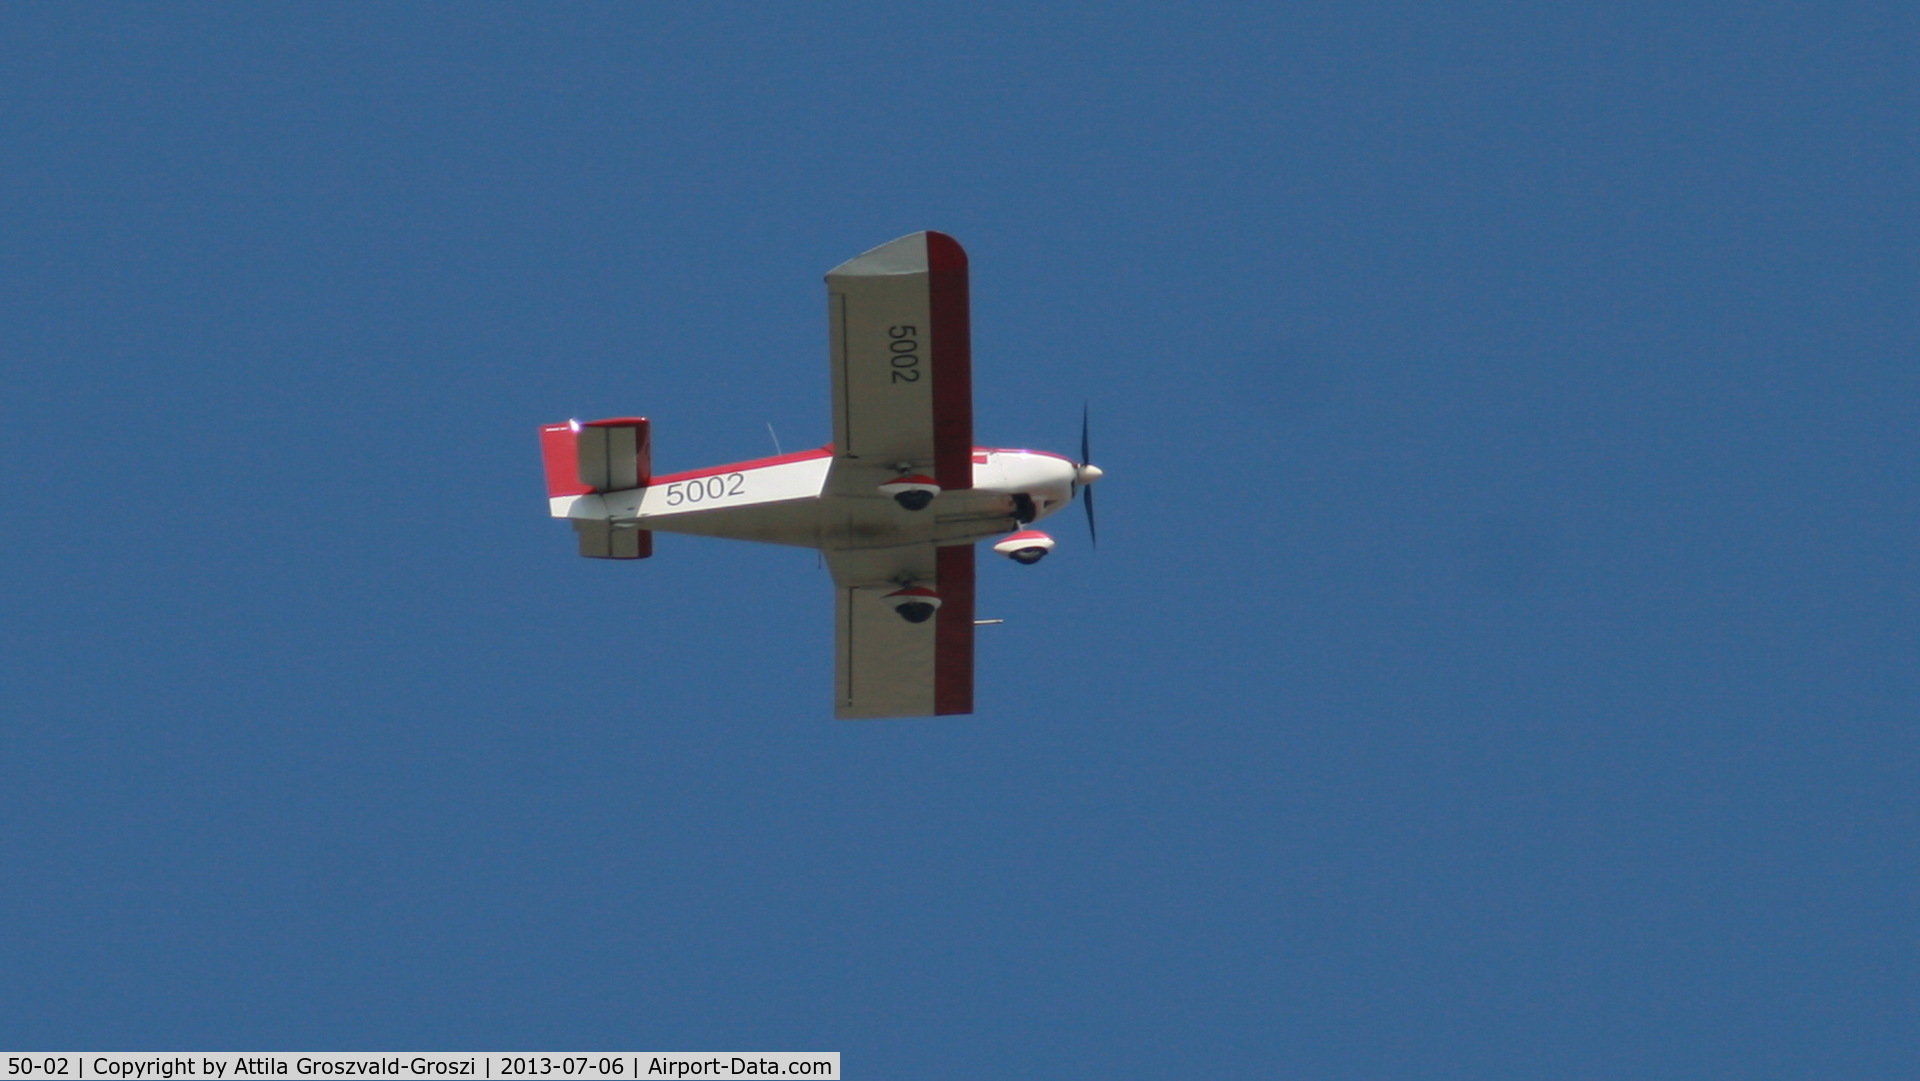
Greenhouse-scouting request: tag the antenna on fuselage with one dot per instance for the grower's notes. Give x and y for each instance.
(777, 452)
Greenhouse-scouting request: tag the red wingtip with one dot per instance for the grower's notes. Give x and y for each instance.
(944, 252)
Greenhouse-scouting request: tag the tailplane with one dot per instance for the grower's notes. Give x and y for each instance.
(585, 459)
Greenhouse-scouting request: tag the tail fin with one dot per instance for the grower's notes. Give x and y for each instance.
(598, 456)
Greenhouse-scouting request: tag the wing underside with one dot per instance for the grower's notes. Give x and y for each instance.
(885, 666)
(902, 404)
(902, 360)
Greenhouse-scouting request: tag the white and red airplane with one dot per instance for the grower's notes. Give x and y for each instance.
(896, 502)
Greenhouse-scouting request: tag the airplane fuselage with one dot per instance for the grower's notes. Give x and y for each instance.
(792, 500)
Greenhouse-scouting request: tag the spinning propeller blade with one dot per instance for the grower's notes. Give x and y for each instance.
(1086, 490)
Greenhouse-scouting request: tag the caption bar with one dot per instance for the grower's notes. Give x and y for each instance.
(488, 1066)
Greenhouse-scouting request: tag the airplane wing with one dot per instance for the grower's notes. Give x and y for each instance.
(902, 364)
(885, 666)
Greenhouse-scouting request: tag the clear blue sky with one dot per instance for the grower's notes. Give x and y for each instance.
(1499, 661)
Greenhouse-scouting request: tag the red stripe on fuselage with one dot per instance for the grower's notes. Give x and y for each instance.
(741, 467)
(975, 456)
(953, 630)
(1024, 450)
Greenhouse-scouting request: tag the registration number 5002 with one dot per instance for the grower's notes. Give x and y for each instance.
(903, 353)
(704, 488)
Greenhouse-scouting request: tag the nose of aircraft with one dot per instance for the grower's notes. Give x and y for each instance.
(1089, 473)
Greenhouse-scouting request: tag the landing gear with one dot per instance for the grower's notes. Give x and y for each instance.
(1027, 547)
(912, 490)
(915, 604)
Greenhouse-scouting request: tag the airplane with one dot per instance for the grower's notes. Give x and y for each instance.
(895, 503)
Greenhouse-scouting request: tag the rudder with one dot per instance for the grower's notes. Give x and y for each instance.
(584, 459)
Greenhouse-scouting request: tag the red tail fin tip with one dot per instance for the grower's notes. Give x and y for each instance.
(597, 456)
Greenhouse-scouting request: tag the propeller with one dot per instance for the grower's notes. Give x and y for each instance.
(1084, 474)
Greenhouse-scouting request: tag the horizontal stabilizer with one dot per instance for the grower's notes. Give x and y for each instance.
(600, 540)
